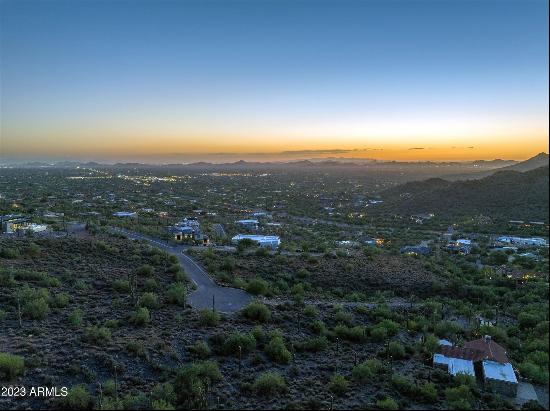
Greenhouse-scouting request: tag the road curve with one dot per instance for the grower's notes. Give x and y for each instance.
(225, 299)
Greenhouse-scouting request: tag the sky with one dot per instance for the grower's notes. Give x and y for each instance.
(167, 80)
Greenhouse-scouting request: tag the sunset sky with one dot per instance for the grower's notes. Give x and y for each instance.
(168, 80)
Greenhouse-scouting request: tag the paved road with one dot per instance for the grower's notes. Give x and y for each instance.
(226, 300)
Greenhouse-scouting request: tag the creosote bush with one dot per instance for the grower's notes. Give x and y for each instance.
(256, 311)
(11, 366)
(269, 383)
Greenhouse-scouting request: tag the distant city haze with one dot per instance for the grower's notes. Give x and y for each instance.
(182, 81)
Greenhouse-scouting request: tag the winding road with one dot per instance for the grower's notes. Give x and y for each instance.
(225, 299)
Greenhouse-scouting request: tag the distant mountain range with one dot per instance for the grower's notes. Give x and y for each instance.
(509, 193)
(540, 160)
(316, 162)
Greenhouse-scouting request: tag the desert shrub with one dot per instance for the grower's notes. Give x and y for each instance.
(431, 344)
(11, 366)
(145, 270)
(427, 392)
(192, 380)
(318, 327)
(257, 286)
(34, 302)
(256, 311)
(150, 284)
(3, 315)
(164, 392)
(343, 317)
(533, 372)
(367, 370)
(11, 253)
(200, 349)
(396, 350)
(60, 300)
(355, 334)
(78, 398)
(141, 316)
(98, 335)
(277, 351)
(176, 294)
(387, 404)
(338, 384)
(161, 405)
(209, 318)
(137, 348)
(404, 385)
(75, 318)
(269, 383)
(247, 342)
(311, 311)
(313, 344)
(148, 300)
(459, 398)
(121, 285)
(378, 333)
(109, 388)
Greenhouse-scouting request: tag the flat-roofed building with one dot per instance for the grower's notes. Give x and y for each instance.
(270, 241)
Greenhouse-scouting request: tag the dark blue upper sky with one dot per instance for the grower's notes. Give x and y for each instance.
(291, 69)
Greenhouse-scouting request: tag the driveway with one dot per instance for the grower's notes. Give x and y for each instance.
(225, 299)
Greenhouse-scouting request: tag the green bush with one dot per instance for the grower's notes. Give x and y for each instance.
(200, 349)
(98, 335)
(256, 311)
(148, 300)
(387, 404)
(396, 350)
(269, 383)
(37, 309)
(11, 366)
(150, 284)
(338, 384)
(257, 286)
(164, 392)
(247, 342)
(121, 285)
(343, 317)
(367, 370)
(277, 351)
(318, 327)
(60, 300)
(11, 253)
(78, 398)
(176, 294)
(161, 405)
(313, 344)
(141, 316)
(145, 270)
(191, 382)
(137, 348)
(311, 311)
(75, 318)
(209, 318)
(356, 334)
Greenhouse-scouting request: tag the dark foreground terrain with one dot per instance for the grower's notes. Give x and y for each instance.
(107, 318)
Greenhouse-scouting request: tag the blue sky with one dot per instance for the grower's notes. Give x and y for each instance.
(89, 77)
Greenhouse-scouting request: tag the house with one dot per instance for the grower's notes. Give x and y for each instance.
(415, 250)
(270, 241)
(34, 228)
(251, 224)
(482, 358)
(11, 223)
(187, 229)
(125, 214)
(522, 241)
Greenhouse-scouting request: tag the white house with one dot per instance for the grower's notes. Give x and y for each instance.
(271, 241)
(248, 223)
